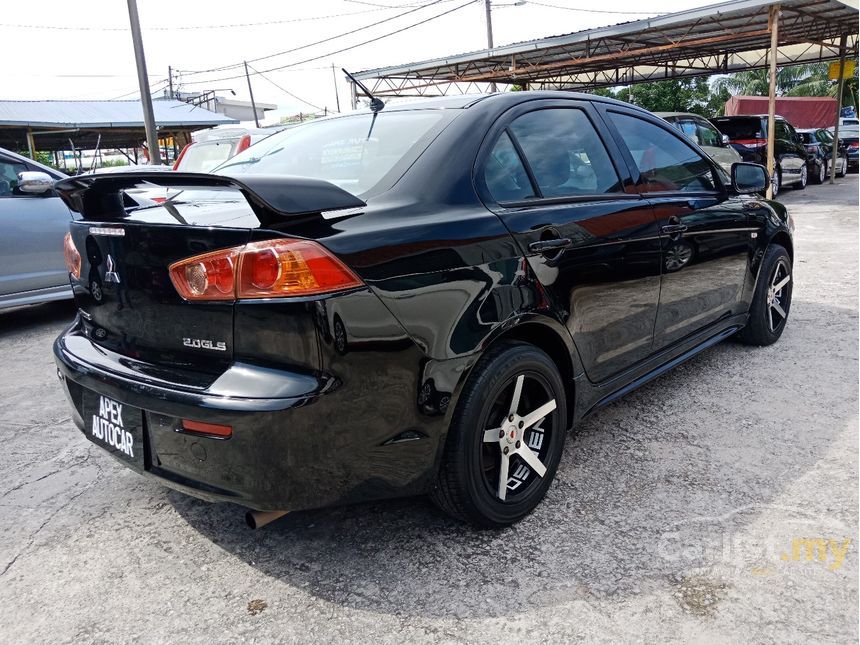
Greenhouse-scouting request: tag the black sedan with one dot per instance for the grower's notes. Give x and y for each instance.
(419, 300)
(819, 144)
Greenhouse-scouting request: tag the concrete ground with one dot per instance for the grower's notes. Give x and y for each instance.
(679, 514)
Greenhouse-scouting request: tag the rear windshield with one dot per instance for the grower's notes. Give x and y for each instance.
(203, 157)
(354, 152)
(744, 128)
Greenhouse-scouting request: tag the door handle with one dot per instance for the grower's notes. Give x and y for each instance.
(673, 229)
(549, 246)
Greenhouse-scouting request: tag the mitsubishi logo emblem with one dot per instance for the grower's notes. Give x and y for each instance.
(111, 275)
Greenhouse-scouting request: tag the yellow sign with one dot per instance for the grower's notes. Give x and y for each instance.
(847, 72)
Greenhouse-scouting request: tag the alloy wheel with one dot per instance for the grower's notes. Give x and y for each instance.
(822, 172)
(804, 176)
(777, 295)
(516, 439)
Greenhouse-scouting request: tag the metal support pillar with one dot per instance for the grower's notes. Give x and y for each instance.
(834, 154)
(773, 26)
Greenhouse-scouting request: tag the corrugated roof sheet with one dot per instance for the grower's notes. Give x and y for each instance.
(105, 114)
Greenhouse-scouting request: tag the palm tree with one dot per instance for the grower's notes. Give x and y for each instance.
(793, 80)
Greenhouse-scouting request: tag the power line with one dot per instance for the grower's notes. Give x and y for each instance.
(555, 6)
(343, 49)
(285, 91)
(318, 42)
(158, 85)
(202, 27)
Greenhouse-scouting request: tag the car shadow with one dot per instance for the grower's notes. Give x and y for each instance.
(31, 317)
(709, 438)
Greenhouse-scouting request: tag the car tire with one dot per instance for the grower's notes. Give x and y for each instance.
(820, 174)
(493, 438)
(770, 305)
(842, 168)
(776, 182)
(804, 178)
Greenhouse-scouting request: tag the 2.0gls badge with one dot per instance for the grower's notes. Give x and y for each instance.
(217, 345)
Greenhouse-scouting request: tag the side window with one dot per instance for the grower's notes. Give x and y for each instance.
(665, 162)
(708, 135)
(9, 177)
(505, 174)
(824, 137)
(780, 131)
(565, 153)
(689, 129)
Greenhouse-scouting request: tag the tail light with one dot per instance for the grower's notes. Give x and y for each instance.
(751, 143)
(72, 257)
(244, 144)
(271, 269)
(213, 430)
(812, 148)
(181, 154)
(854, 144)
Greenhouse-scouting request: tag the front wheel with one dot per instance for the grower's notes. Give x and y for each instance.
(820, 175)
(842, 168)
(771, 300)
(776, 182)
(506, 438)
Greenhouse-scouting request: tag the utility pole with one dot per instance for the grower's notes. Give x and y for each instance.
(251, 92)
(170, 80)
(143, 79)
(336, 97)
(489, 11)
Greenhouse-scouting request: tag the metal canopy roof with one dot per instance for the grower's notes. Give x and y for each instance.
(109, 123)
(717, 39)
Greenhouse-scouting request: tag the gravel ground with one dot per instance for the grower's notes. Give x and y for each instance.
(677, 514)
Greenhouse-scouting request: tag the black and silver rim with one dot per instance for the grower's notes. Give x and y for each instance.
(804, 176)
(517, 437)
(777, 296)
(776, 182)
(822, 172)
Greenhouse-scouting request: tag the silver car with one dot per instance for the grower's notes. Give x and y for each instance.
(33, 223)
(702, 132)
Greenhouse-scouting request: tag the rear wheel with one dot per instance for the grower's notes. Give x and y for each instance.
(772, 299)
(505, 439)
(804, 178)
(820, 174)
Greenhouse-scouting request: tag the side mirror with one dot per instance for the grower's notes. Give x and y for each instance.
(749, 178)
(34, 182)
(725, 139)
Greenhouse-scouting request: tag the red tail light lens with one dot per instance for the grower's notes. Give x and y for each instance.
(181, 154)
(751, 143)
(210, 276)
(271, 269)
(72, 257)
(244, 144)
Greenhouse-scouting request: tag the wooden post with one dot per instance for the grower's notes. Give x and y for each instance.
(834, 154)
(773, 26)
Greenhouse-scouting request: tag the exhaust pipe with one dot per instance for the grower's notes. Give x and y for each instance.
(259, 519)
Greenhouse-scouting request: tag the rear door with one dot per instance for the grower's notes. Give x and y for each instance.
(547, 170)
(706, 236)
(31, 234)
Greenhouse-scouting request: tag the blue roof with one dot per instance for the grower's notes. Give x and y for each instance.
(106, 114)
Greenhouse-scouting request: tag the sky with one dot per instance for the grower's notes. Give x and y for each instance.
(83, 50)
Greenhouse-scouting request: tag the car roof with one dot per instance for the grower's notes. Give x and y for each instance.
(664, 115)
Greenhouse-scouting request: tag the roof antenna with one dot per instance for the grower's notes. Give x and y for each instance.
(376, 104)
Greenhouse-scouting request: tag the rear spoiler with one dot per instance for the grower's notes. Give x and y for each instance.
(272, 197)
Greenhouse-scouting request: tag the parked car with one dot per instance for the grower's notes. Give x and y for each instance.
(213, 147)
(819, 146)
(849, 136)
(419, 300)
(33, 221)
(705, 135)
(748, 135)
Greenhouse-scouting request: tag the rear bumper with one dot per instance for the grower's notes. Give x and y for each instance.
(294, 443)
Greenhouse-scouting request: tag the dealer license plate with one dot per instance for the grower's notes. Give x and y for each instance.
(116, 427)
